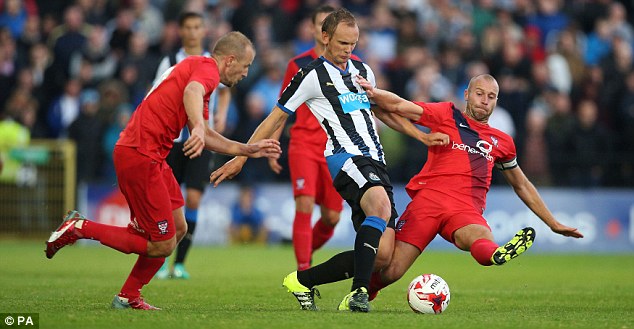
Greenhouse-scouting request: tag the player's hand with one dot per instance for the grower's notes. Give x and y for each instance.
(227, 171)
(366, 85)
(195, 144)
(269, 148)
(435, 138)
(275, 166)
(566, 231)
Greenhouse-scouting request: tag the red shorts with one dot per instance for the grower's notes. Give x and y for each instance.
(151, 191)
(310, 176)
(425, 217)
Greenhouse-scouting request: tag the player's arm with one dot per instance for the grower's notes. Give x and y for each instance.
(273, 163)
(270, 124)
(391, 102)
(291, 70)
(202, 136)
(527, 192)
(406, 127)
(193, 101)
(222, 108)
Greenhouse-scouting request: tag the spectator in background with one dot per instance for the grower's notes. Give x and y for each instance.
(535, 160)
(8, 65)
(94, 62)
(382, 34)
(590, 148)
(615, 68)
(12, 135)
(559, 128)
(625, 147)
(569, 47)
(64, 110)
(247, 220)
(138, 68)
(598, 44)
(148, 19)
(549, 19)
(110, 137)
(64, 40)
(30, 37)
(87, 132)
(13, 17)
(120, 30)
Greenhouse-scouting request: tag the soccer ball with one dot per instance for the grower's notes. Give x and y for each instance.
(428, 294)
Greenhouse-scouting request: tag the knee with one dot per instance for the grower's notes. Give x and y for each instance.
(181, 230)
(330, 217)
(391, 274)
(304, 204)
(162, 248)
(382, 260)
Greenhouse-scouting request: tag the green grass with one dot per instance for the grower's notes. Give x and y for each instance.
(240, 287)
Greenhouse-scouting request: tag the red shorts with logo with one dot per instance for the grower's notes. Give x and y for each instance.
(151, 191)
(310, 176)
(427, 216)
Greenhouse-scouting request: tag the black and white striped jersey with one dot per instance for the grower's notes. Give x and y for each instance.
(339, 104)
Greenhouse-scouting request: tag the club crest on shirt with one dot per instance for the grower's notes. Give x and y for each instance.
(373, 177)
(495, 141)
(299, 183)
(162, 226)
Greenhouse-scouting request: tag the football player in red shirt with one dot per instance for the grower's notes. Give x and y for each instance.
(157, 221)
(449, 193)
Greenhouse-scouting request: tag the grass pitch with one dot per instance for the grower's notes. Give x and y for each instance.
(240, 287)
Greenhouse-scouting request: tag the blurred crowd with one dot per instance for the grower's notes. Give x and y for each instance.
(77, 70)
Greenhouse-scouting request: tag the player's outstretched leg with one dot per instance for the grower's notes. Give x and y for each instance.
(519, 244)
(65, 234)
(356, 301)
(134, 303)
(304, 295)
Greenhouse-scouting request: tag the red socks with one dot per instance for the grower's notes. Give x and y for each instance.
(321, 234)
(482, 250)
(115, 237)
(141, 274)
(302, 239)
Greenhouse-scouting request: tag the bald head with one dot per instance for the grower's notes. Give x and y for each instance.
(233, 43)
(234, 53)
(489, 78)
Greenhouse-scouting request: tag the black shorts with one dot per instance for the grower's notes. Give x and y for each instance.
(352, 184)
(193, 172)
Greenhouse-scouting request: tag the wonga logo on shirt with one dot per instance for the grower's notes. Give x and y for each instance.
(353, 101)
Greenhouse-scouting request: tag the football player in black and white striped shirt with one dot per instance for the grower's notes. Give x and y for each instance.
(353, 153)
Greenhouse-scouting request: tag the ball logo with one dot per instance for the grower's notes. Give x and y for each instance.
(485, 147)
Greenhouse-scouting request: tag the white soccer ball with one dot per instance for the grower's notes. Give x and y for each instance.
(428, 294)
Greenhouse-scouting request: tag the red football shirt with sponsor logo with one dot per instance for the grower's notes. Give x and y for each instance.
(458, 175)
(158, 120)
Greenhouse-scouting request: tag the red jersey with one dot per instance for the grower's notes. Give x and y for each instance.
(158, 120)
(458, 175)
(306, 131)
